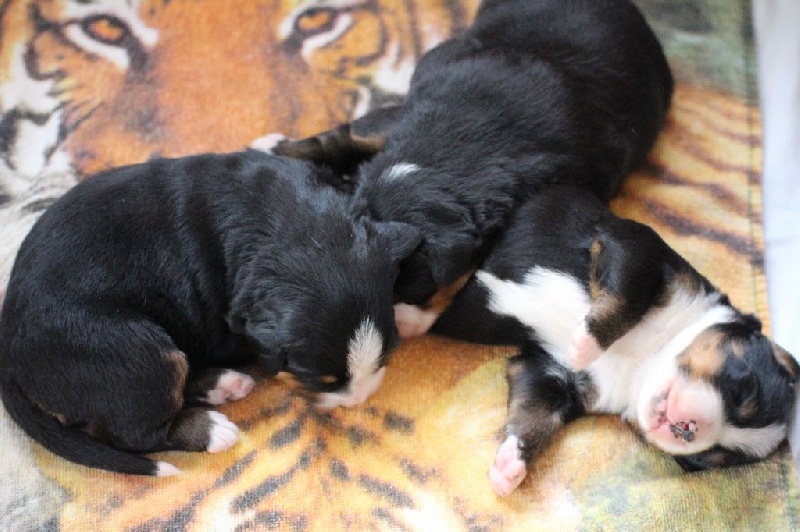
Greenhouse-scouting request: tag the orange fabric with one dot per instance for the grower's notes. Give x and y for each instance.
(117, 82)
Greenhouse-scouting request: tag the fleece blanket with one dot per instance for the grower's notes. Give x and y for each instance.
(88, 84)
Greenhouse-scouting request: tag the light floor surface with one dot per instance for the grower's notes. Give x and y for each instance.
(777, 26)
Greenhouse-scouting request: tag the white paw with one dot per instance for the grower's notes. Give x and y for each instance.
(230, 386)
(583, 349)
(509, 469)
(165, 469)
(222, 434)
(267, 143)
(413, 321)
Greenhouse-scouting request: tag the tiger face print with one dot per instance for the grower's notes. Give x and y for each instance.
(292, 66)
(90, 84)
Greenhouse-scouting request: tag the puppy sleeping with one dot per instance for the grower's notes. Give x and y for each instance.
(611, 319)
(536, 92)
(135, 291)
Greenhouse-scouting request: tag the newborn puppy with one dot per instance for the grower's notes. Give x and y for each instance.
(133, 292)
(610, 319)
(536, 92)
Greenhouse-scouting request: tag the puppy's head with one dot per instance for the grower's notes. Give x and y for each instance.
(425, 199)
(330, 321)
(725, 400)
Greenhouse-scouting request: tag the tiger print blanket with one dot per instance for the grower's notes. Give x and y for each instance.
(87, 84)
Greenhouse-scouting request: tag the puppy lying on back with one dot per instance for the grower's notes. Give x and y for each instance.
(536, 92)
(133, 292)
(611, 319)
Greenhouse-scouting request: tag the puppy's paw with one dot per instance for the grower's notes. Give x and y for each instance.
(267, 143)
(413, 321)
(583, 349)
(509, 468)
(231, 385)
(165, 469)
(222, 434)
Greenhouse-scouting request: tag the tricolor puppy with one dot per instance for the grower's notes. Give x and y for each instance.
(536, 92)
(135, 291)
(610, 319)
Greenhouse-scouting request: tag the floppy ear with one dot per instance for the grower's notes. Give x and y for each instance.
(269, 328)
(451, 239)
(714, 458)
(451, 256)
(786, 361)
(397, 239)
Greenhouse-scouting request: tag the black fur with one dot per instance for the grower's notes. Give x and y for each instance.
(557, 230)
(228, 259)
(534, 93)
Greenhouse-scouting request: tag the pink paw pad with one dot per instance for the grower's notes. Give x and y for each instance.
(412, 321)
(583, 349)
(509, 469)
(230, 386)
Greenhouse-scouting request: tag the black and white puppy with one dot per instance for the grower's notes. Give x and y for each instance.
(134, 291)
(610, 319)
(536, 92)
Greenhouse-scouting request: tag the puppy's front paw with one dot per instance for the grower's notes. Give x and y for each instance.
(222, 434)
(230, 386)
(509, 468)
(267, 143)
(413, 321)
(583, 349)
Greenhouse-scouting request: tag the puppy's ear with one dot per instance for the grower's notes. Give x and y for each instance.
(715, 458)
(751, 323)
(269, 328)
(450, 243)
(786, 361)
(397, 239)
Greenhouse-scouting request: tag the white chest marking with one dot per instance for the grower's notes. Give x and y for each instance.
(554, 305)
(550, 302)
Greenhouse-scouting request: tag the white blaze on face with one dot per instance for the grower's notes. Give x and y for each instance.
(363, 368)
(399, 171)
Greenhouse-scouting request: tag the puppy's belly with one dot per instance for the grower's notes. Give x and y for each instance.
(550, 302)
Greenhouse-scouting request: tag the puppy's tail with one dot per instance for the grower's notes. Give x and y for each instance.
(74, 445)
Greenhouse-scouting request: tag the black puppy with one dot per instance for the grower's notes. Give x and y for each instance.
(536, 92)
(134, 290)
(610, 319)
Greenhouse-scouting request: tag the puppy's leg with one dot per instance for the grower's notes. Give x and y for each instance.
(196, 429)
(168, 426)
(627, 276)
(217, 386)
(543, 397)
(342, 148)
(138, 403)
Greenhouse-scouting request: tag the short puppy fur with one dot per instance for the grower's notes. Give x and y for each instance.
(136, 291)
(536, 92)
(610, 319)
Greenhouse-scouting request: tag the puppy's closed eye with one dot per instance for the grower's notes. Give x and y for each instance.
(322, 383)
